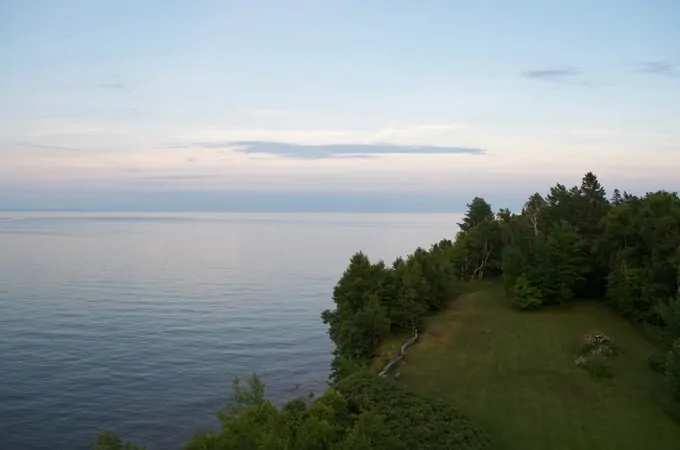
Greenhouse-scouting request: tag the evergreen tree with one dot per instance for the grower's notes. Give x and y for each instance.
(504, 215)
(478, 211)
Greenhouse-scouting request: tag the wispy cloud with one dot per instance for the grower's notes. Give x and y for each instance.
(563, 76)
(66, 149)
(556, 74)
(657, 67)
(324, 151)
(49, 147)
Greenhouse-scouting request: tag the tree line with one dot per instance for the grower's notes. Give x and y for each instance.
(374, 300)
(571, 242)
(576, 242)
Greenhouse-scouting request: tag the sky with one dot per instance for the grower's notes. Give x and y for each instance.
(329, 105)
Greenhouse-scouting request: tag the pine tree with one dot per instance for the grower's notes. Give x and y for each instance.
(478, 211)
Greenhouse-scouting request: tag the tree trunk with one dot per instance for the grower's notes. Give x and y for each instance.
(479, 271)
(534, 223)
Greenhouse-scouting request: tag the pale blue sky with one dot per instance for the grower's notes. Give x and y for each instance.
(103, 102)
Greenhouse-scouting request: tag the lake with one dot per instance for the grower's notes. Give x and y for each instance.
(137, 322)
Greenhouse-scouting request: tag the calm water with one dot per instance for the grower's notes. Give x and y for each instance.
(137, 322)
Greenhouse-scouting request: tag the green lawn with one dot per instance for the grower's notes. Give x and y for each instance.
(514, 374)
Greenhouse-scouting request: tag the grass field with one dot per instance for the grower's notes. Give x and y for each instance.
(514, 374)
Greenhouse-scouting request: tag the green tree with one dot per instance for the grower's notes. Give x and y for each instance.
(478, 211)
(360, 318)
(524, 295)
(533, 210)
(411, 296)
(440, 271)
(504, 215)
(640, 240)
(593, 207)
(563, 205)
(478, 250)
(592, 191)
(559, 263)
(360, 333)
(516, 260)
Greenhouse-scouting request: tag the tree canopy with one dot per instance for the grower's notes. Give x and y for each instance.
(574, 242)
(478, 211)
(373, 300)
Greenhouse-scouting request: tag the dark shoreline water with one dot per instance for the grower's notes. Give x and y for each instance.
(137, 322)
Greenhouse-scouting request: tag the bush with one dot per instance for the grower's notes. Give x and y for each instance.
(596, 343)
(524, 295)
(417, 422)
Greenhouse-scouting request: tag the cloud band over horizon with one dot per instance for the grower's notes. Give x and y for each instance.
(322, 151)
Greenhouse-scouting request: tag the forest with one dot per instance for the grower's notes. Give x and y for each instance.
(571, 243)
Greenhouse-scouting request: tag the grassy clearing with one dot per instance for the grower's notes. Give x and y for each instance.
(388, 350)
(514, 374)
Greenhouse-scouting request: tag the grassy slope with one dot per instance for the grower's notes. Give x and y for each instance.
(513, 373)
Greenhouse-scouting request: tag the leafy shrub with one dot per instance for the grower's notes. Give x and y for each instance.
(416, 421)
(596, 343)
(524, 295)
